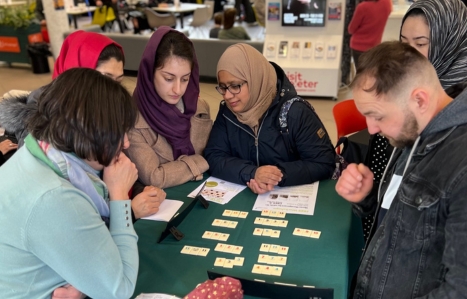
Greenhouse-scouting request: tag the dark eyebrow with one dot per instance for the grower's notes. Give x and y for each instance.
(174, 74)
(416, 38)
(231, 83)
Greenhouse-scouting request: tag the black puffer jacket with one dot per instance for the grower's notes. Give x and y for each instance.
(234, 153)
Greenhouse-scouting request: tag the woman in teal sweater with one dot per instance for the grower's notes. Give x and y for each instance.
(60, 189)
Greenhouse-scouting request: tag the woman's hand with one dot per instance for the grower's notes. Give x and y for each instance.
(67, 292)
(255, 188)
(147, 202)
(6, 146)
(120, 177)
(268, 176)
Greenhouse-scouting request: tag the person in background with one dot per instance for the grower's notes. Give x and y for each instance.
(259, 7)
(114, 5)
(6, 146)
(59, 190)
(173, 124)
(229, 31)
(214, 32)
(248, 14)
(367, 26)
(418, 249)
(246, 145)
(39, 12)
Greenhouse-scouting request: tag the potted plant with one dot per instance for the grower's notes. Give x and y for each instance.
(18, 28)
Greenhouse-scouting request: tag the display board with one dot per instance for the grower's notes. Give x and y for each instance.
(303, 13)
(309, 49)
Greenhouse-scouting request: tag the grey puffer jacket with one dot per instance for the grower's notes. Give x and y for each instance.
(14, 111)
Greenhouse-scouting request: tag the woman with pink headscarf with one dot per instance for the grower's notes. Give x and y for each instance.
(80, 49)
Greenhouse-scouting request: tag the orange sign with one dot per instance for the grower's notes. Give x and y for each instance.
(9, 44)
(35, 38)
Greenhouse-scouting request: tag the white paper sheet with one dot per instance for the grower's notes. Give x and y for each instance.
(167, 209)
(218, 191)
(292, 200)
(156, 296)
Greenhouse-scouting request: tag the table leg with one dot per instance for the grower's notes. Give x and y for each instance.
(75, 21)
(181, 20)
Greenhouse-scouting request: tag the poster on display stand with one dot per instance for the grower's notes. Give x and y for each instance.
(274, 9)
(306, 46)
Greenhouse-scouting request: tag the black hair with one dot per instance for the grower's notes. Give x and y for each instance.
(86, 113)
(111, 51)
(174, 44)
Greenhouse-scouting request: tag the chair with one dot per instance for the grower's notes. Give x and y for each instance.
(155, 20)
(104, 17)
(210, 4)
(200, 17)
(348, 119)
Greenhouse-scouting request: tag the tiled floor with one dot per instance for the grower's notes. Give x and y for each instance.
(21, 77)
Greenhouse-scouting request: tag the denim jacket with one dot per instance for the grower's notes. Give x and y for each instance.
(420, 248)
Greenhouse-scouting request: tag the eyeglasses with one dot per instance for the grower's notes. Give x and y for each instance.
(233, 88)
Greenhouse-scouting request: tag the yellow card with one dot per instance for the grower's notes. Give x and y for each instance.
(219, 262)
(207, 235)
(238, 261)
(228, 263)
(315, 234)
(259, 220)
(283, 250)
(203, 251)
(243, 215)
(275, 233)
(235, 213)
(258, 232)
(276, 271)
(265, 212)
(265, 247)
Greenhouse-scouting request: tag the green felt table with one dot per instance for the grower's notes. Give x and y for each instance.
(327, 262)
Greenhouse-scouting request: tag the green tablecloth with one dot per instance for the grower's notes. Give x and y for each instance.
(327, 262)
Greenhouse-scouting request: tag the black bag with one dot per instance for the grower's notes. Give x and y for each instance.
(352, 152)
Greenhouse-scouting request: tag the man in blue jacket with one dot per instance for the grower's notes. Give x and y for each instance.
(418, 248)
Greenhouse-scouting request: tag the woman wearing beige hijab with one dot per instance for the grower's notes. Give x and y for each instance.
(247, 145)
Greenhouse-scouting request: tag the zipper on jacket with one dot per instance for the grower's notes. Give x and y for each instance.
(255, 137)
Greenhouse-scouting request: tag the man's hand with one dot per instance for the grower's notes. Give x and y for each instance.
(267, 177)
(355, 183)
(255, 188)
(67, 292)
(147, 202)
(6, 146)
(120, 177)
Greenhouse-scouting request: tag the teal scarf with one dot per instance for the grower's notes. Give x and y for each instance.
(73, 169)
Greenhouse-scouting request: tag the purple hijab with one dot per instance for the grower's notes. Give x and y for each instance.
(164, 118)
